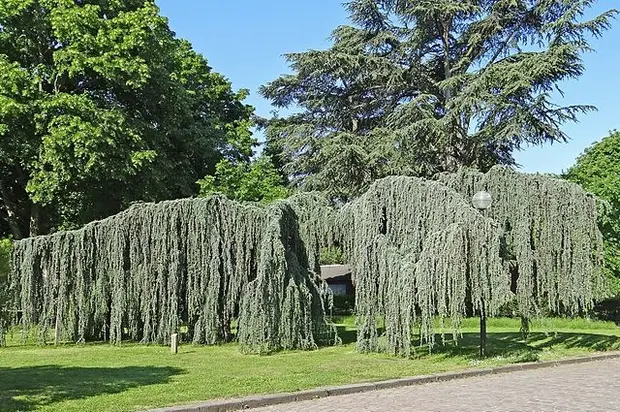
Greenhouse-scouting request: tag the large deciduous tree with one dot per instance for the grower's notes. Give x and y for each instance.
(598, 171)
(100, 105)
(418, 87)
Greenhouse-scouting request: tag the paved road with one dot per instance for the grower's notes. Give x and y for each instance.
(588, 387)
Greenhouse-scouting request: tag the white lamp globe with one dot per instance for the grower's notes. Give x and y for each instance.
(482, 200)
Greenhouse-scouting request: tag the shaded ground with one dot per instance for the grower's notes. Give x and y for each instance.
(28, 388)
(512, 345)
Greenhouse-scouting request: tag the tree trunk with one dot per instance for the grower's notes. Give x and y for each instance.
(483, 332)
(11, 209)
(446, 25)
(354, 120)
(35, 220)
(57, 328)
(452, 159)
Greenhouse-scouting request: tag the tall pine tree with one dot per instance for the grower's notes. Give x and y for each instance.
(418, 87)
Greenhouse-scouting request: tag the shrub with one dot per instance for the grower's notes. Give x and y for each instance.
(608, 310)
(331, 256)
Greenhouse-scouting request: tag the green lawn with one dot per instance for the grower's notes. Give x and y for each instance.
(131, 377)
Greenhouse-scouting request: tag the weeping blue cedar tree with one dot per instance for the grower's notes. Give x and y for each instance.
(418, 250)
(143, 273)
(6, 247)
(552, 248)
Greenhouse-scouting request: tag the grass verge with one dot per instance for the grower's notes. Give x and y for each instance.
(135, 377)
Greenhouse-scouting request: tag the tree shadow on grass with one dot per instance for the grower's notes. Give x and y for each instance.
(350, 335)
(346, 335)
(512, 345)
(28, 388)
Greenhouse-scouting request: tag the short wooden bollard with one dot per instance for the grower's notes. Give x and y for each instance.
(57, 330)
(174, 343)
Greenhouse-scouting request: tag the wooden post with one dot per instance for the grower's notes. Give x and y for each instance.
(483, 332)
(57, 328)
(483, 313)
(174, 343)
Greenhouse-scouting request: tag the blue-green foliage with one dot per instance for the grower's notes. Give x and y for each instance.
(5, 260)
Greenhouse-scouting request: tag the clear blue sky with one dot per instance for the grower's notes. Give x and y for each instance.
(245, 40)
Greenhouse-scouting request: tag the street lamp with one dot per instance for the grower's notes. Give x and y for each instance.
(482, 201)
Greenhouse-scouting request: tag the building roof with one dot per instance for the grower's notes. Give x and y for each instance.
(334, 271)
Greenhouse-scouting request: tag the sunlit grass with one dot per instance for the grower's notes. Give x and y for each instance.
(102, 377)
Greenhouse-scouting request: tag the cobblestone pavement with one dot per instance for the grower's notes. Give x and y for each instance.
(588, 387)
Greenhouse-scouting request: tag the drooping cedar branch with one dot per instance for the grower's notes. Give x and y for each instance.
(550, 233)
(418, 249)
(142, 273)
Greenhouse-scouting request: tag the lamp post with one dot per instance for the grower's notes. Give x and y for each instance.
(482, 201)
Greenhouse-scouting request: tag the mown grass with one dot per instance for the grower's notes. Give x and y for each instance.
(135, 377)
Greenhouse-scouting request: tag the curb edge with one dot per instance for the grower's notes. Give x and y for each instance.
(256, 401)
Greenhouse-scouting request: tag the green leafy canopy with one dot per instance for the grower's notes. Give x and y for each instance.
(598, 171)
(257, 181)
(101, 105)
